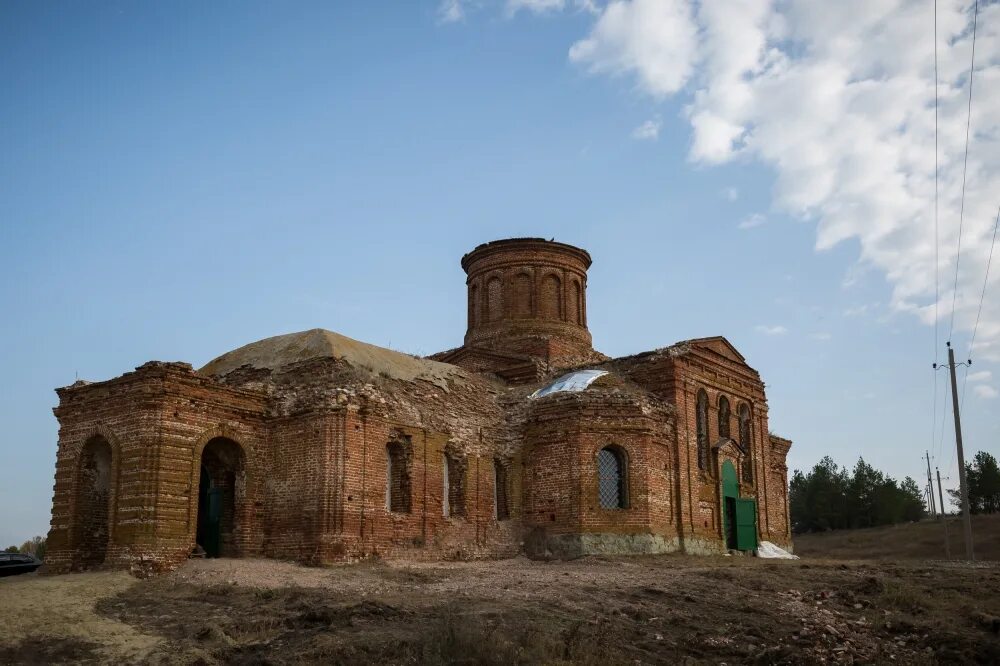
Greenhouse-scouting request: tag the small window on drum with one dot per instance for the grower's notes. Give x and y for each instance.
(611, 478)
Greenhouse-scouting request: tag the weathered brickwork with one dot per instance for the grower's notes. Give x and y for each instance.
(318, 448)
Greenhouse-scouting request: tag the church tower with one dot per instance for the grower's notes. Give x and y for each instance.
(528, 296)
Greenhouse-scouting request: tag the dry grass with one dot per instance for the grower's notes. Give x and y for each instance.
(666, 609)
(910, 541)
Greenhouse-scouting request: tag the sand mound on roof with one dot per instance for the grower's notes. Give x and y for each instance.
(283, 350)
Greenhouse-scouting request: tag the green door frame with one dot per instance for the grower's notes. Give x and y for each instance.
(730, 492)
(744, 511)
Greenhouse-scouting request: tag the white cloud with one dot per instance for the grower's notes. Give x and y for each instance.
(648, 131)
(731, 193)
(450, 11)
(752, 221)
(536, 6)
(980, 376)
(771, 330)
(653, 39)
(986, 391)
(838, 98)
(822, 336)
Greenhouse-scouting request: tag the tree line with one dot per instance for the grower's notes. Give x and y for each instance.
(34, 546)
(829, 497)
(983, 478)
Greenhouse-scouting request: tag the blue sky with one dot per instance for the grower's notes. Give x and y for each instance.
(176, 181)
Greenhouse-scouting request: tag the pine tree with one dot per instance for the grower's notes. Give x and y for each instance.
(829, 497)
(983, 478)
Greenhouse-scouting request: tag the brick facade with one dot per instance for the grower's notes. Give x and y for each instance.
(317, 448)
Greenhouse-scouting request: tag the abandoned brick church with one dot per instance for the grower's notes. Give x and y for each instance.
(319, 448)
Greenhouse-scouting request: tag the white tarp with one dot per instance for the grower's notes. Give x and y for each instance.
(769, 550)
(574, 381)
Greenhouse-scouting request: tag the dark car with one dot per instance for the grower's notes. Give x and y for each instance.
(12, 564)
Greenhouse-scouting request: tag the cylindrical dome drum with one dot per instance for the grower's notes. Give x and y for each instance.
(528, 295)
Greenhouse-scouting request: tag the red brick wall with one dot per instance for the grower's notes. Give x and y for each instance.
(368, 527)
(710, 366)
(306, 475)
(310, 484)
(563, 513)
(155, 419)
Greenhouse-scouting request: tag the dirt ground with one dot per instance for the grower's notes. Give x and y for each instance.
(668, 609)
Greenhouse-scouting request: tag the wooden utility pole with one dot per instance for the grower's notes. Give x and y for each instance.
(930, 486)
(963, 485)
(944, 518)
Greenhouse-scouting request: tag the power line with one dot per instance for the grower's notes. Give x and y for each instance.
(937, 240)
(944, 423)
(986, 279)
(934, 413)
(965, 167)
(945, 406)
(982, 297)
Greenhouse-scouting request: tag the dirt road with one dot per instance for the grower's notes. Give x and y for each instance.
(589, 611)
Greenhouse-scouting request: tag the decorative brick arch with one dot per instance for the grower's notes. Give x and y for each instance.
(522, 301)
(574, 302)
(550, 296)
(474, 309)
(223, 430)
(76, 526)
(492, 297)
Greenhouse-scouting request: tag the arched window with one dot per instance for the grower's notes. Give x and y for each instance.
(397, 489)
(500, 483)
(521, 306)
(701, 417)
(454, 485)
(473, 305)
(550, 303)
(573, 309)
(724, 417)
(494, 299)
(612, 470)
(746, 441)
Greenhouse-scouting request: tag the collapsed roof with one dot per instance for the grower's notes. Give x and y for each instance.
(284, 350)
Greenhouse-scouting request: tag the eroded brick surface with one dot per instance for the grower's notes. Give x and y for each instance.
(319, 448)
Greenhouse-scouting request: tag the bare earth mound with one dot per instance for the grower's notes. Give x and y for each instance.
(590, 611)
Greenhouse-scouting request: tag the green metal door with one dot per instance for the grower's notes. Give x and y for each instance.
(746, 524)
(214, 523)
